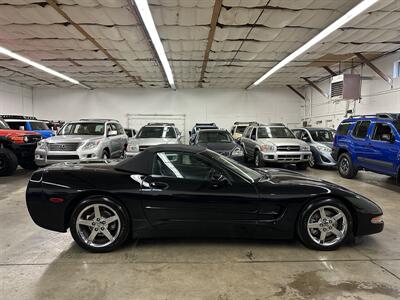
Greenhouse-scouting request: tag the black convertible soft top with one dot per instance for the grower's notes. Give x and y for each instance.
(143, 162)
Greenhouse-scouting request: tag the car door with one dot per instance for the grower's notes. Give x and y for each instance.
(384, 148)
(361, 143)
(184, 195)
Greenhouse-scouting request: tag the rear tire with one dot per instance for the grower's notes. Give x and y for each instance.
(28, 164)
(327, 231)
(8, 162)
(302, 166)
(99, 230)
(345, 166)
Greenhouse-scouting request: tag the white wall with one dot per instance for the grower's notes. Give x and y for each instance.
(377, 96)
(15, 99)
(221, 106)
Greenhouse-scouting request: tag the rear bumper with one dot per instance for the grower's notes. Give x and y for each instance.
(287, 157)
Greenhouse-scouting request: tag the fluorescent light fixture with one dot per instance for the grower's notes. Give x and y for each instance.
(38, 66)
(145, 14)
(354, 12)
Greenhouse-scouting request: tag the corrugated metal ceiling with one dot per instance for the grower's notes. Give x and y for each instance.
(251, 36)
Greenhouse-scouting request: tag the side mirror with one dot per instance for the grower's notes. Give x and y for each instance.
(21, 127)
(305, 139)
(112, 133)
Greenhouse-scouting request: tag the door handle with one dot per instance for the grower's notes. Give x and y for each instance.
(159, 185)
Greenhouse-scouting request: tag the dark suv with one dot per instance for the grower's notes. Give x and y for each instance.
(16, 147)
(370, 142)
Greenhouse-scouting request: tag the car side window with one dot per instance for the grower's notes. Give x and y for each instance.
(17, 125)
(381, 130)
(361, 129)
(181, 165)
(170, 133)
(254, 134)
(343, 129)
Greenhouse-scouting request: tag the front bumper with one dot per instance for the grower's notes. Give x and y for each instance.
(131, 154)
(44, 157)
(287, 156)
(324, 159)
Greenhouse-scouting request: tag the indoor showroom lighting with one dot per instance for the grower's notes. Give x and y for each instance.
(354, 12)
(145, 14)
(38, 66)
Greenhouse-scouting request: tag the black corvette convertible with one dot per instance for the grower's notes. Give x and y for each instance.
(176, 190)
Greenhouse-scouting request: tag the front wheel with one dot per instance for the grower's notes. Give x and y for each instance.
(311, 162)
(258, 160)
(8, 162)
(346, 167)
(99, 224)
(325, 225)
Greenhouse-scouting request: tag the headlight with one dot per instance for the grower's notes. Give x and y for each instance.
(237, 152)
(132, 148)
(323, 148)
(41, 145)
(305, 148)
(91, 145)
(268, 148)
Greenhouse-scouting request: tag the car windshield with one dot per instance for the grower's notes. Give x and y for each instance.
(322, 135)
(150, 132)
(234, 166)
(39, 125)
(240, 129)
(274, 132)
(84, 128)
(3, 124)
(214, 137)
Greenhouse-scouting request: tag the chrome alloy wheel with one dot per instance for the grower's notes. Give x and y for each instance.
(98, 225)
(344, 165)
(327, 225)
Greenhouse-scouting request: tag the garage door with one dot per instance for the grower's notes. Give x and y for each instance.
(137, 121)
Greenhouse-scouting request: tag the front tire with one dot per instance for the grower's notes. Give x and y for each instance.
(258, 159)
(311, 162)
(105, 155)
(8, 162)
(325, 225)
(345, 166)
(99, 224)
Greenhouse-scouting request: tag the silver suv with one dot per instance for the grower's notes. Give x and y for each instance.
(86, 139)
(274, 143)
(153, 134)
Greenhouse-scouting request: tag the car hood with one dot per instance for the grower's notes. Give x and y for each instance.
(283, 142)
(219, 146)
(72, 138)
(328, 144)
(152, 141)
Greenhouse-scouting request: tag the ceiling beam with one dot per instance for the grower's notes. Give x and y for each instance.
(374, 68)
(211, 33)
(54, 4)
(316, 87)
(296, 91)
(330, 71)
(11, 69)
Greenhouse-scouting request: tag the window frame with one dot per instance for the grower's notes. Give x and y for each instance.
(354, 132)
(374, 131)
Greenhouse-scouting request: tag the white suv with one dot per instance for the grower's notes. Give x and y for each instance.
(153, 134)
(86, 139)
(274, 143)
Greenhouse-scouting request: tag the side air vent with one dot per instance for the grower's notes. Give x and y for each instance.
(346, 87)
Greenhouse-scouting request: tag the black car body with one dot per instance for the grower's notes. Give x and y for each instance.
(220, 141)
(177, 190)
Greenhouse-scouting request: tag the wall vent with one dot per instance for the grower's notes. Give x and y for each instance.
(346, 87)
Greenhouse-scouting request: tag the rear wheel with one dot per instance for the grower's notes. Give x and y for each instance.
(258, 159)
(345, 166)
(325, 225)
(28, 164)
(8, 162)
(302, 166)
(99, 224)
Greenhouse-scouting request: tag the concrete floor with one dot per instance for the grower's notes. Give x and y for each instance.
(40, 264)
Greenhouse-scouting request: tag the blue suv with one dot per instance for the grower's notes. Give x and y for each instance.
(370, 142)
(28, 123)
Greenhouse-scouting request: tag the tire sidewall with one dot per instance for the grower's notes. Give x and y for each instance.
(10, 162)
(122, 214)
(351, 172)
(302, 230)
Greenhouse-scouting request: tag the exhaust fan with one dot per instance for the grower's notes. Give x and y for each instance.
(346, 87)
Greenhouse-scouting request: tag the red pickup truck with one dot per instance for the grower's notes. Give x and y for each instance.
(17, 147)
